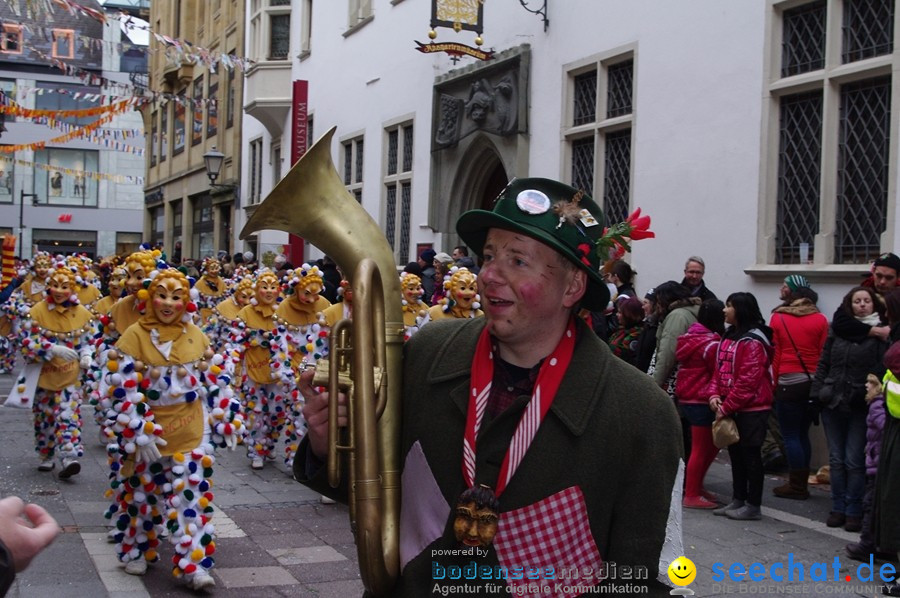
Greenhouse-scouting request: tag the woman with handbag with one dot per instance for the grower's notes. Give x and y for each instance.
(743, 390)
(799, 332)
(840, 387)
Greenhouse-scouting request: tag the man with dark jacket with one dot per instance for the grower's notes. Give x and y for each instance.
(694, 269)
(426, 262)
(492, 406)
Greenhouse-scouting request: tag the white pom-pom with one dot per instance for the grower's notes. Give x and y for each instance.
(195, 294)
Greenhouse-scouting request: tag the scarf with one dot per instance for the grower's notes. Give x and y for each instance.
(301, 314)
(873, 319)
(68, 319)
(550, 376)
(159, 344)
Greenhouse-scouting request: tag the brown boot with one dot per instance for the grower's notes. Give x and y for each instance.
(795, 488)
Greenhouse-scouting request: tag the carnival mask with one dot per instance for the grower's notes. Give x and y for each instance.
(60, 288)
(465, 291)
(267, 291)
(308, 294)
(169, 301)
(135, 280)
(412, 290)
(41, 268)
(242, 296)
(473, 525)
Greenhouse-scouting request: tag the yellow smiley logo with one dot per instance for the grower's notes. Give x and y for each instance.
(682, 571)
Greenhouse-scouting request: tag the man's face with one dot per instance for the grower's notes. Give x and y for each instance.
(169, 301)
(785, 291)
(473, 526)
(456, 253)
(693, 274)
(527, 289)
(885, 279)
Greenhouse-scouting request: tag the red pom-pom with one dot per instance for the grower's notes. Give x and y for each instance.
(191, 307)
(228, 429)
(190, 568)
(130, 383)
(104, 319)
(128, 433)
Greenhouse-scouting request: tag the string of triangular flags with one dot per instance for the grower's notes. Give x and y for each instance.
(77, 133)
(178, 51)
(12, 109)
(108, 138)
(87, 174)
(90, 78)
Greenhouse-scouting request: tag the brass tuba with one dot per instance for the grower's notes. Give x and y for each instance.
(312, 202)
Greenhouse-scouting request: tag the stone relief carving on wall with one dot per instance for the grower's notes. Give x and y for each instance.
(488, 103)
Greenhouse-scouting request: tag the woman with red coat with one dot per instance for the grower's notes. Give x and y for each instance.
(743, 390)
(799, 332)
(696, 355)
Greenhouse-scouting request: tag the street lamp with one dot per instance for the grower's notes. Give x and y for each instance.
(22, 197)
(213, 160)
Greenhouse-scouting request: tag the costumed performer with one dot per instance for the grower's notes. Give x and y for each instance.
(57, 334)
(462, 296)
(305, 340)
(170, 403)
(226, 311)
(88, 291)
(415, 311)
(212, 288)
(254, 344)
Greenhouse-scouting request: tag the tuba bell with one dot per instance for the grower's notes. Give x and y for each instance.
(312, 202)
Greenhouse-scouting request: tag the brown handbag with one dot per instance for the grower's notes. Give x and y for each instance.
(725, 432)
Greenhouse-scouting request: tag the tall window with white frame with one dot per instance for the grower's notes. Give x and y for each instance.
(831, 127)
(600, 119)
(270, 28)
(353, 166)
(359, 11)
(398, 188)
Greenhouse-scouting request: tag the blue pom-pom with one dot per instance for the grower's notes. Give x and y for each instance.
(192, 467)
(190, 513)
(207, 563)
(119, 393)
(203, 486)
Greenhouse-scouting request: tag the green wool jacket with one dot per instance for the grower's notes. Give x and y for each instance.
(611, 432)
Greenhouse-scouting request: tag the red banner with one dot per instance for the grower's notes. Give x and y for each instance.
(299, 135)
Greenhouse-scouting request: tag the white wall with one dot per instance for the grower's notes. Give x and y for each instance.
(699, 84)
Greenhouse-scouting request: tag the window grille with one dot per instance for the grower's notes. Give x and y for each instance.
(799, 175)
(279, 36)
(407, 148)
(390, 214)
(359, 161)
(583, 164)
(863, 152)
(868, 29)
(405, 217)
(585, 100)
(393, 138)
(803, 41)
(619, 89)
(348, 163)
(617, 175)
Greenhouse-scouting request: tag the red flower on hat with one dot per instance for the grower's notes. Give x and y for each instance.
(584, 251)
(616, 239)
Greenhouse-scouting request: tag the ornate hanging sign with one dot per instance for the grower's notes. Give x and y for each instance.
(459, 15)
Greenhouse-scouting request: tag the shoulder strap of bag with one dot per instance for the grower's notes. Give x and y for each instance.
(793, 344)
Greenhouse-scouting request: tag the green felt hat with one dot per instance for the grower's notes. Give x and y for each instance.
(557, 215)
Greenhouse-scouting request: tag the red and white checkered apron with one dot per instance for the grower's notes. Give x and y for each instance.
(553, 532)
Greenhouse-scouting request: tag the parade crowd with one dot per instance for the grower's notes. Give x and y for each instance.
(173, 364)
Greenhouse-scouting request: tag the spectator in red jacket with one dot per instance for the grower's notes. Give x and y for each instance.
(696, 356)
(799, 333)
(743, 384)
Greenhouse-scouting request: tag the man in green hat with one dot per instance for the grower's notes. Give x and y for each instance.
(527, 445)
